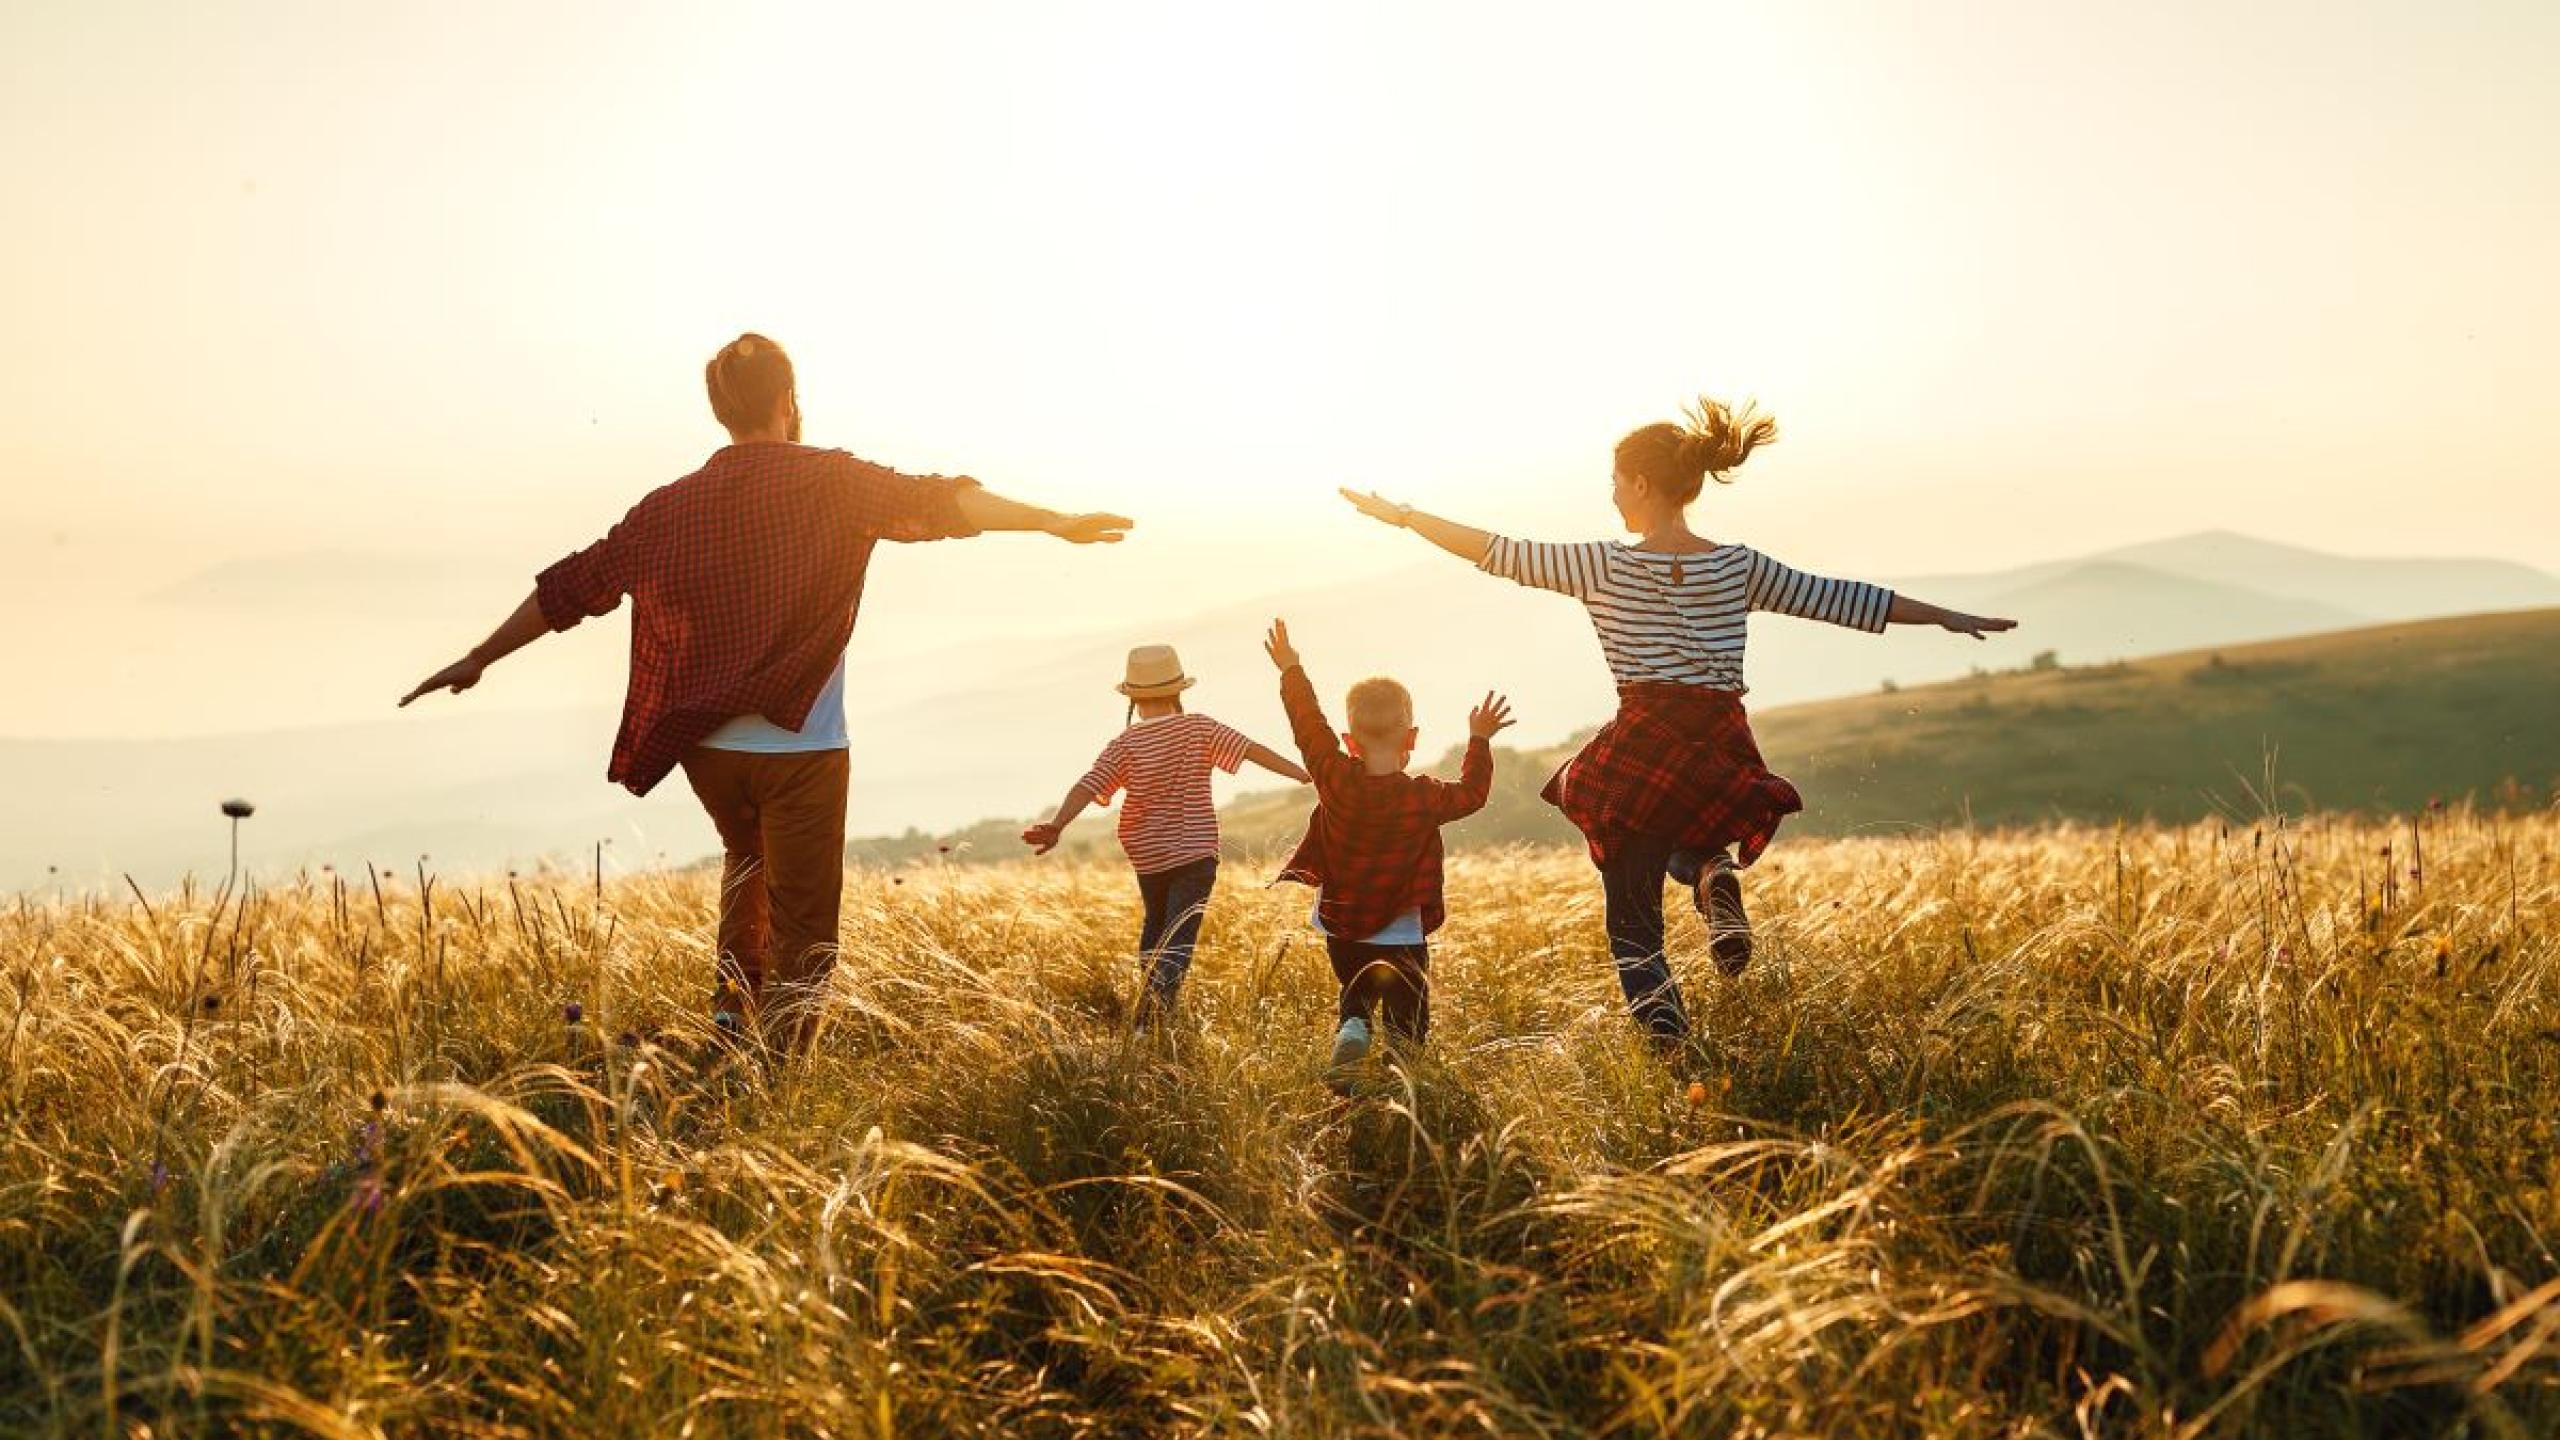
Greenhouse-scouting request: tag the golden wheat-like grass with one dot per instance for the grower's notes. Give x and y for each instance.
(2150, 1133)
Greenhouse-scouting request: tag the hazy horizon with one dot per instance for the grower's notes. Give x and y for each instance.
(431, 292)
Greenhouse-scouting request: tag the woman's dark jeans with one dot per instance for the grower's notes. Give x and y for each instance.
(1175, 900)
(1632, 884)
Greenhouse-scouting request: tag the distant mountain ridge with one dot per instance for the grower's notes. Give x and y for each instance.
(944, 738)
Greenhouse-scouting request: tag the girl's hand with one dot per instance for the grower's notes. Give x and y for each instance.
(1490, 718)
(1378, 507)
(1042, 838)
(1284, 656)
(1977, 626)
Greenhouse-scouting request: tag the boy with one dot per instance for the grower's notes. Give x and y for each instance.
(1373, 846)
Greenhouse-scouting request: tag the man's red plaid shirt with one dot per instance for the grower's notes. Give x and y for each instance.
(1373, 845)
(745, 578)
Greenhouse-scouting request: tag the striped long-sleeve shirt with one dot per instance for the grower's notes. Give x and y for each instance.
(1676, 618)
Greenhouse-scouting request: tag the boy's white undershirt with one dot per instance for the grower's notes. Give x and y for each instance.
(1405, 929)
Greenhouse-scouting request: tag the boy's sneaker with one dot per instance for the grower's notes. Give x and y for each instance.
(1719, 898)
(1350, 1043)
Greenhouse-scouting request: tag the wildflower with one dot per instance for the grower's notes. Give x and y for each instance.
(238, 809)
(573, 1012)
(378, 1101)
(369, 1195)
(1697, 1092)
(159, 1176)
(213, 1002)
(628, 1039)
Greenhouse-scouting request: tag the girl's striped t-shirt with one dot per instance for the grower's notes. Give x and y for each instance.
(1680, 618)
(1164, 763)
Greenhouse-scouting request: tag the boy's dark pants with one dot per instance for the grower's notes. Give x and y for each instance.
(781, 824)
(1632, 885)
(1176, 899)
(1392, 979)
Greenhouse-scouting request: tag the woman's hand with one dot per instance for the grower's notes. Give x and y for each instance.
(1378, 507)
(1490, 718)
(1977, 626)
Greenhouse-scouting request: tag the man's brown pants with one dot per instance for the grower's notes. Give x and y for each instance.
(781, 824)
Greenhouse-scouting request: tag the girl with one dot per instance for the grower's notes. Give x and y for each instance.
(1169, 828)
(1674, 785)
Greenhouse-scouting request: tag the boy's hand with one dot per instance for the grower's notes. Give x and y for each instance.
(1042, 838)
(1490, 718)
(1276, 645)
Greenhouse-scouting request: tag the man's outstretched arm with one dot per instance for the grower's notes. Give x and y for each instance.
(986, 510)
(515, 632)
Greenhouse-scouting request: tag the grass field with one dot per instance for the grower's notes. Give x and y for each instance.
(2166, 1132)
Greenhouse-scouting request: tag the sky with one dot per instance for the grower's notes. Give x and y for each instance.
(351, 317)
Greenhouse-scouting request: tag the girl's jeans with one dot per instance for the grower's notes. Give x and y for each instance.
(1175, 901)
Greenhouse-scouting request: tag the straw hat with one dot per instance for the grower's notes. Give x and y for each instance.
(1155, 673)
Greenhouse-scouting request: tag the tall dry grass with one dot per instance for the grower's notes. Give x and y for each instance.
(2158, 1133)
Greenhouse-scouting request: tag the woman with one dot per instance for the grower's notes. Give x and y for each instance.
(1674, 785)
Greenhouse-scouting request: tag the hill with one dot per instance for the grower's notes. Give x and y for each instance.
(2377, 719)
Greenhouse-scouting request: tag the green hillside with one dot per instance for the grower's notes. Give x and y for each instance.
(2386, 718)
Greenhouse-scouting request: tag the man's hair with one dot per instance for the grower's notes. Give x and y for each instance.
(1379, 708)
(745, 379)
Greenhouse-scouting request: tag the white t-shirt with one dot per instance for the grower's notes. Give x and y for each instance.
(1405, 929)
(823, 730)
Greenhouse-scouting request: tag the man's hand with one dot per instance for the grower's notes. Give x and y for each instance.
(457, 677)
(1284, 656)
(1378, 507)
(1977, 626)
(1490, 718)
(1091, 529)
(1043, 837)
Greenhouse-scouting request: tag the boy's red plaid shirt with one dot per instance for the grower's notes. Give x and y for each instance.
(745, 578)
(1373, 845)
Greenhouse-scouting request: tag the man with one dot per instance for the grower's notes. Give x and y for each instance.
(745, 578)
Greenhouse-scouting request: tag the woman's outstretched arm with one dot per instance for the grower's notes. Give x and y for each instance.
(1907, 611)
(1464, 541)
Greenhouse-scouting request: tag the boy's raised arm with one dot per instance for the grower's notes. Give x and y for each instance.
(1307, 725)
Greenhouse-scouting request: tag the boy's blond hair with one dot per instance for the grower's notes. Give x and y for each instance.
(1379, 709)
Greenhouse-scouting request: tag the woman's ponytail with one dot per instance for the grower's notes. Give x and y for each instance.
(1712, 438)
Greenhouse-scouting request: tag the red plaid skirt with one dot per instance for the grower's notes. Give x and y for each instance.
(1677, 764)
